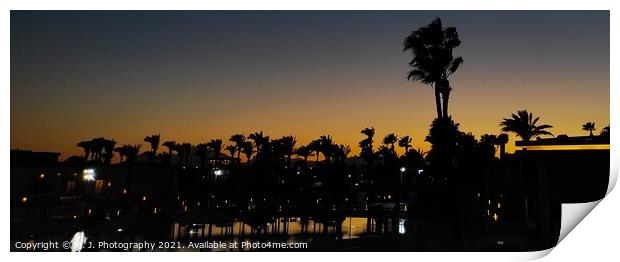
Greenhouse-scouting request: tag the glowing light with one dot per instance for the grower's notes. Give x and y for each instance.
(42, 176)
(143, 198)
(24, 199)
(403, 169)
(124, 191)
(499, 205)
(88, 174)
(495, 217)
(218, 172)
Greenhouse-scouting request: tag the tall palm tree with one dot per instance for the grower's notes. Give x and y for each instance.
(303, 151)
(433, 62)
(87, 146)
(405, 142)
(390, 140)
(502, 140)
(523, 124)
(130, 152)
(202, 150)
(153, 140)
(247, 148)
(183, 150)
(121, 152)
(108, 147)
(259, 140)
(238, 139)
(366, 144)
(231, 150)
(589, 126)
(288, 147)
(342, 152)
(315, 146)
(216, 147)
(97, 149)
(326, 146)
(170, 145)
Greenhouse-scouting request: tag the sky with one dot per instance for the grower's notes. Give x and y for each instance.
(192, 76)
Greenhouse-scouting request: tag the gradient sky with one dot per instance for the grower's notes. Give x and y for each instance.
(194, 76)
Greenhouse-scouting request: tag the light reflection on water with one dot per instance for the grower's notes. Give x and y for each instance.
(351, 227)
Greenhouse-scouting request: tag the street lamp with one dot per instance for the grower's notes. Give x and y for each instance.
(217, 172)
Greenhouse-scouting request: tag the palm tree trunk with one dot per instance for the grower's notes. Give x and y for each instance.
(437, 101)
(445, 94)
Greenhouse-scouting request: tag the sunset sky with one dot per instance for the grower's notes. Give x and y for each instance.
(196, 76)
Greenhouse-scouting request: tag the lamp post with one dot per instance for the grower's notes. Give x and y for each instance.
(217, 172)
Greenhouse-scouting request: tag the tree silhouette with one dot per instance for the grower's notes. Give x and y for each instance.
(202, 150)
(231, 150)
(304, 152)
(523, 124)
(108, 153)
(129, 152)
(216, 147)
(87, 146)
(433, 62)
(259, 140)
(238, 139)
(589, 126)
(315, 146)
(502, 140)
(326, 147)
(247, 148)
(172, 146)
(405, 142)
(390, 139)
(153, 140)
(605, 131)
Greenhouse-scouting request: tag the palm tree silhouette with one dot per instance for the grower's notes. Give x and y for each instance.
(405, 142)
(433, 62)
(247, 148)
(589, 126)
(183, 150)
(108, 147)
(288, 147)
(390, 139)
(502, 140)
(259, 140)
(238, 139)
(216, 147)
(87, 146)
(231, 150)
(171, 145)
(130, 152)
(343, 152)
(202, 150)
(605, 131)
(121, 152)
(315, 146)
(326, 147)
(153, 140)
(303, 151)
(523, 124)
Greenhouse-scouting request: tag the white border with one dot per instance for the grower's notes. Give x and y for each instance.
(597, 236)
